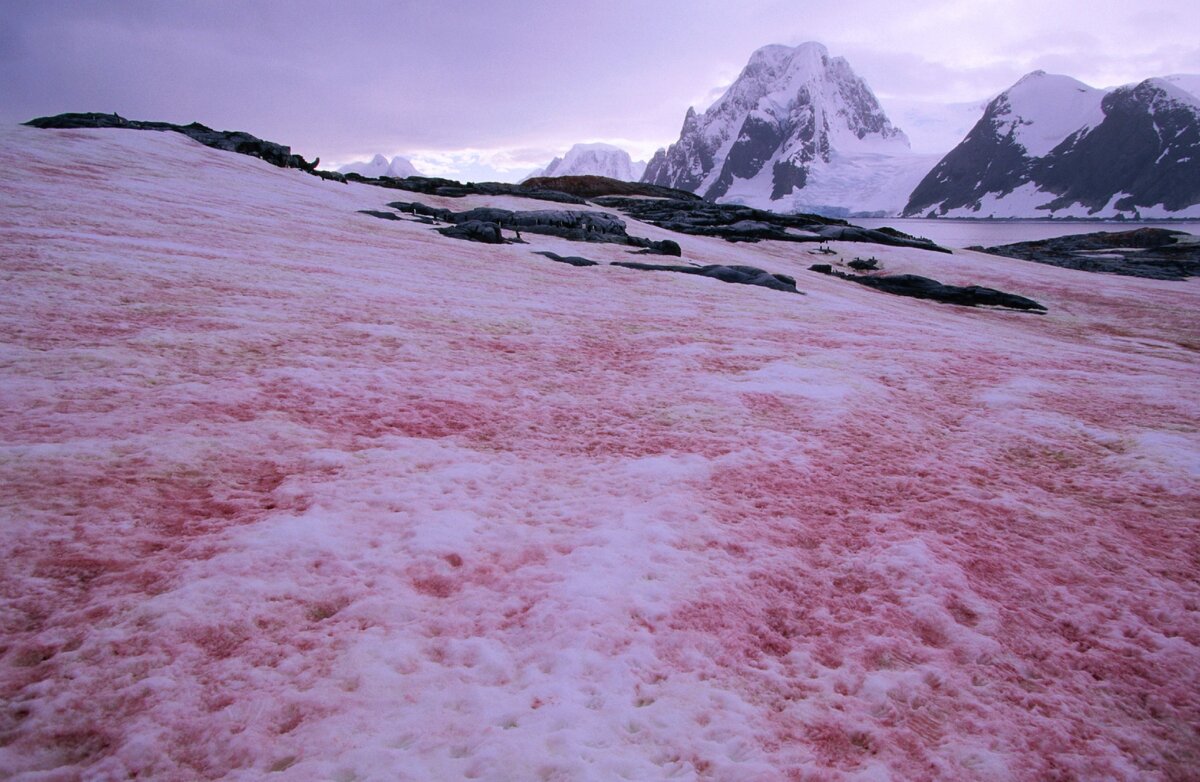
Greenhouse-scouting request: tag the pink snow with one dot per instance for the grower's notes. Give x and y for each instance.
(292, 492)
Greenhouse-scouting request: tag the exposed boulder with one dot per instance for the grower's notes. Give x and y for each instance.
(474, 231)
(742, 275)
(919, 287)
(662, 247)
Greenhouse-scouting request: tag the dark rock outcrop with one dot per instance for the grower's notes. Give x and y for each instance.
(474, 231)
(1154, 253)
(228, 140)
(742, 275)
(925, 288)
(576, 225)
(594, 186)
(573, 260)
(745, 224)
(449, 188)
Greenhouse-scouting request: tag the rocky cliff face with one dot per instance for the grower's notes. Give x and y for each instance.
(1053, 146)
(780, 134)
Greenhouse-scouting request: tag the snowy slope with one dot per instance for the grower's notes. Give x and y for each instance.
(797, 130)
(594, 160)
(1188, 82)
(380, 166)
(1051, 146)
(295, 493)
(1042, 109)
(933, 127)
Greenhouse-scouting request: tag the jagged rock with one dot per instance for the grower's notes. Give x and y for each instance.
(1158, 253)
(925, 288)
(574, 260)
(743, 275)
(864, 264)
(474, 231)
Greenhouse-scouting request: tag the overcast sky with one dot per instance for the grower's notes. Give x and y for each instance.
(494, 89)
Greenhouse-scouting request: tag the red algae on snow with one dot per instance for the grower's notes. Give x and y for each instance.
(294, 493)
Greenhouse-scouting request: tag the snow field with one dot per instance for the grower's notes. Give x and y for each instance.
(292, 492)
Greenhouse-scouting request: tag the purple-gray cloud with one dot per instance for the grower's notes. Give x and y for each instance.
(497, 82)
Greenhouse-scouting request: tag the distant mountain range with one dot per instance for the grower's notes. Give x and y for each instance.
(594, 160)
(798, 130)
(1052, 146)
(380, 166)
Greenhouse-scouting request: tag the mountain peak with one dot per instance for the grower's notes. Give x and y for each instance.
(791, 111)
(779, 53)
(379, 166)
(593, 159)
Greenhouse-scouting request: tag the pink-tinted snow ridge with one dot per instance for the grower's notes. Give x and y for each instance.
(294, 493)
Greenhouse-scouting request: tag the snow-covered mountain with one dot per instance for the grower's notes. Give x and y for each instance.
(797, 131)
(380, 166)
(594, 160)
(1188, 82)
(1053, 146)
